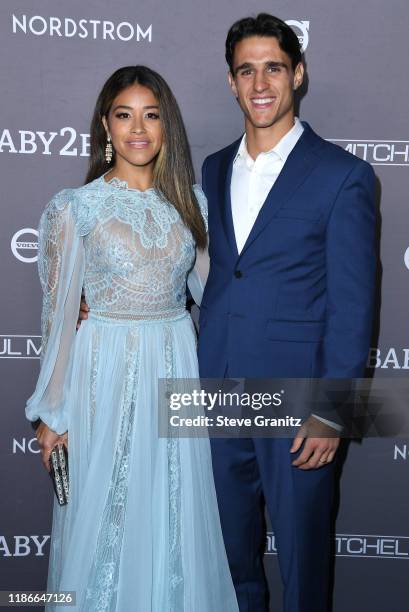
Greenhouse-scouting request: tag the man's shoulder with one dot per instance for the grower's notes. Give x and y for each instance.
(336, 157)
(217, 156)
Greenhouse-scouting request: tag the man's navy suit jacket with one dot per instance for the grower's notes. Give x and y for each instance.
(298, 300)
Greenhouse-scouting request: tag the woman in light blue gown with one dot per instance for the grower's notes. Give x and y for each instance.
(141, 530)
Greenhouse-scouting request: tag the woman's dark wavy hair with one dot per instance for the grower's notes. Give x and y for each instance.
(263, 25)
(173, 175)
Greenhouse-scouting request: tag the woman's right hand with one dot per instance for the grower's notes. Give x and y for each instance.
(47, 440)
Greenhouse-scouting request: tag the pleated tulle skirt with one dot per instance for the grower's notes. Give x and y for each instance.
(141, 531)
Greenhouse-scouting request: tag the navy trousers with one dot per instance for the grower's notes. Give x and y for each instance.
(248, 471)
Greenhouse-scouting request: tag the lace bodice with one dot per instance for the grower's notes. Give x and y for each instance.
(137, 250)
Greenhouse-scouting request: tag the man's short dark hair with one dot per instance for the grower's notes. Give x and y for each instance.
(263, 25)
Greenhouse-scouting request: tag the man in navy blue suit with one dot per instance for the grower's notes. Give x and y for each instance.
(289, 294)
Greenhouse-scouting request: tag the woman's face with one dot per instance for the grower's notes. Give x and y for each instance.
(135, 127)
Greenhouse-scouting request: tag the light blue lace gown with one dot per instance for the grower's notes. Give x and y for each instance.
(141, 531)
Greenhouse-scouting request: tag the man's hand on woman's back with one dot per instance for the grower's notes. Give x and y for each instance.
(83, 312)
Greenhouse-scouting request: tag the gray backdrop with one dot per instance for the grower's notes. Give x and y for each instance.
(53, 66)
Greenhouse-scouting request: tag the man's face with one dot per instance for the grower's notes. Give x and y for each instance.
(264, 81)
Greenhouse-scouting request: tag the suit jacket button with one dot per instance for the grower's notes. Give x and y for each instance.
(238, 273)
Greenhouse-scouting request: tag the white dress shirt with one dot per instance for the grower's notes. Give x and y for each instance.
(251, 182)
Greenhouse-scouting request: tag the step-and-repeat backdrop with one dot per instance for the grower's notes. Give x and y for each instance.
(54, 58)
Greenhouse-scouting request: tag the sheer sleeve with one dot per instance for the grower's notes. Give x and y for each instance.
(197, 277)
(61, 271)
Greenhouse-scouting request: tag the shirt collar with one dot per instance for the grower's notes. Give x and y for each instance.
(282, 149)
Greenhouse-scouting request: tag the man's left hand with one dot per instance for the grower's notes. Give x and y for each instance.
(320, 444)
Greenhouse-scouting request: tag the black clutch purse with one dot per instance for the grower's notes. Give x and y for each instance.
(59, 473)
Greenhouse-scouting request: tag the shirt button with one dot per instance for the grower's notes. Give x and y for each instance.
(238, 273)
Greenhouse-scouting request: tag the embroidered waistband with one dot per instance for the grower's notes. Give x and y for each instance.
(133, 317)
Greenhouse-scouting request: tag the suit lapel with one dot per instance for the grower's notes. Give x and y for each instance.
(224, 193)
(298, 166)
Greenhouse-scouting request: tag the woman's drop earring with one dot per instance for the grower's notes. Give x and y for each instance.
(108, 151)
